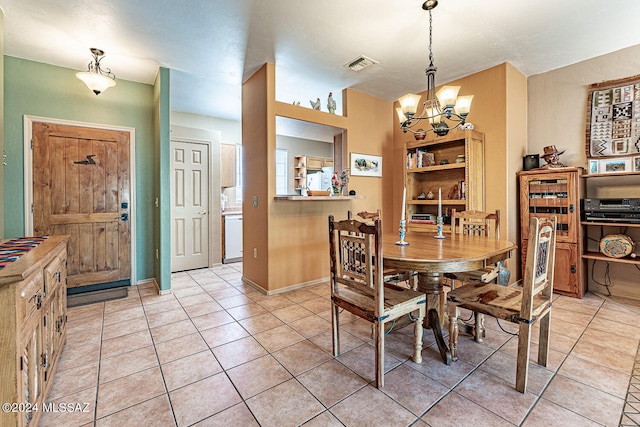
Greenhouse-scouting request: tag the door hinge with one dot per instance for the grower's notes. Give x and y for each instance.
(31, 207)
(21, 363)
(32, 144)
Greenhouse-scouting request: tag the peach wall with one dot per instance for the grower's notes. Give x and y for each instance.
(557, 115)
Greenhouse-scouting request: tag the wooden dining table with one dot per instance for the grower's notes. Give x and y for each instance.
(431, 258)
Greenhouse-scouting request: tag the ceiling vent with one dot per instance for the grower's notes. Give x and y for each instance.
(360, 63)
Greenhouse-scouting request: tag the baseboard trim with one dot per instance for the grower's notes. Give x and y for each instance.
(285, 289)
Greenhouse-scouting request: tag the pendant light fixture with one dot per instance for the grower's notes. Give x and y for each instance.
(439, 108)
(97, 79)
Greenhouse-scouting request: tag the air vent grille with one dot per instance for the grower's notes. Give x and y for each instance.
(360, 63)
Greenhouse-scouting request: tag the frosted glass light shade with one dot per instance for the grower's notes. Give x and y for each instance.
(463, 105)
(96, 82)
(447, 96)
(401, 115)
(409, 103)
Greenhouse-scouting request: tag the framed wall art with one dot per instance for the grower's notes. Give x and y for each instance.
(636, 164)
(613, 118)
(615, 165)
(365, 165)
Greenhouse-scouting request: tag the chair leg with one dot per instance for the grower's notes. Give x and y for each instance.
(335, 326)
(479, 328)
(417, 334)
(453, 312)
(522, 369)
(379, 338)
(543, 340)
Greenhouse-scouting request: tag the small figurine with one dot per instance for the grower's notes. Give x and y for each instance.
(296, 102)
(315, 105)
(422, 196)
(552, 157)
(331, 104)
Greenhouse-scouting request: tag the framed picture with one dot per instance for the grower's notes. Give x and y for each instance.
(615, 165)
(636, 164)
(365, 165)
(593, 166)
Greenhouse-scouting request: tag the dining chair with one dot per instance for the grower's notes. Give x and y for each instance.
(477, 223)
(392, 276)
(523, 305)
(355, 249)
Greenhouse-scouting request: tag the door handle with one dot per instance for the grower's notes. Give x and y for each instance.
(202, 212)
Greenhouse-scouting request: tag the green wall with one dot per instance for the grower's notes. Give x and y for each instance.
(37, 89)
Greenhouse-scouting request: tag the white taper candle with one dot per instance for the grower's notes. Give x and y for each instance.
(439, 202)
(404, 202)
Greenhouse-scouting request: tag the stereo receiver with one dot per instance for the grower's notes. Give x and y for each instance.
(611, 210)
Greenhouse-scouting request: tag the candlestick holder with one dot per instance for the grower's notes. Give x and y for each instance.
(439, 225)
(402, 230)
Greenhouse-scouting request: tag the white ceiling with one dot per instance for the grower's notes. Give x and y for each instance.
(212, 46)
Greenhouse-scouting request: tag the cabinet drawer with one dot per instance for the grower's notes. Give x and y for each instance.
(30, 296)
(54, 274)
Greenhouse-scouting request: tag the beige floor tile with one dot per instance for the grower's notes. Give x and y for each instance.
(278, 338)
(164, 318)
(361, 360)
(236, 416)
(234, 301)
(211, 320)
(167, 304)
(596, 376)
(604, 356)
(90, 311)
(130, 314)
(224, 334)
(73, 380)
(172, 330)
(287, 404)
(554, 360)
(180, 347)
(347, 341)
(616, 343)
(310, 326)
(455, 411)
(87, 353)
(331, 382)
(292, 313)
(221, 290)
(412, 389)
(368, 406)
(317, 305)
(575, 305)
(154, 298)
(83, 404)
(504, 365)
(272, 303)
(128, 363)
(246, 311)
(125, 343)
(123, 328)
(189, 369)
(301, 357)
(127, 391)
(359, 328)
(187, 292)
(563, 316)
(593, 404)
(546, 414)
(202, 399)
(616, 327)
(203, 308)
(325, 419)
(261, 323)
(84, 326)
(238, 352)
(198, 298)
(257, 376)
(301, 295)
(496, 395)
(153, 412)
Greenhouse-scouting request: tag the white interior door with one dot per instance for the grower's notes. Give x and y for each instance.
(189, 205)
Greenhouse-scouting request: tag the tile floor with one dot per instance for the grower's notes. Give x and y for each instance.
(216, 352)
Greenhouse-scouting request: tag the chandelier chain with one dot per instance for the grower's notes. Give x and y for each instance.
(430, 40)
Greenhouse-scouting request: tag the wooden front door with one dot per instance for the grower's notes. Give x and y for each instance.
(81, 188)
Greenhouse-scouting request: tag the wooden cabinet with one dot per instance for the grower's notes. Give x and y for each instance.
(304, 164)
(33, 316)
(227, 165)
(556, 192)
(450, 162)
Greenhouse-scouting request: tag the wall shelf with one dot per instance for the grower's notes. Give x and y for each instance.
(600, 257)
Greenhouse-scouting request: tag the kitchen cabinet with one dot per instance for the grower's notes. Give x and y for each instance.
(33, 314)
(454, 163)
(302, 165)
(227, 165)
(556, 192)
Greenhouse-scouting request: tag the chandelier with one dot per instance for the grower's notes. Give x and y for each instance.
(97, 79)
(439, 108)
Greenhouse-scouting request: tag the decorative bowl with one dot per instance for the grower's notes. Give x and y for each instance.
(420, 135)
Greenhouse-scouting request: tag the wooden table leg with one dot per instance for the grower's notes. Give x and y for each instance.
(431, 285)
